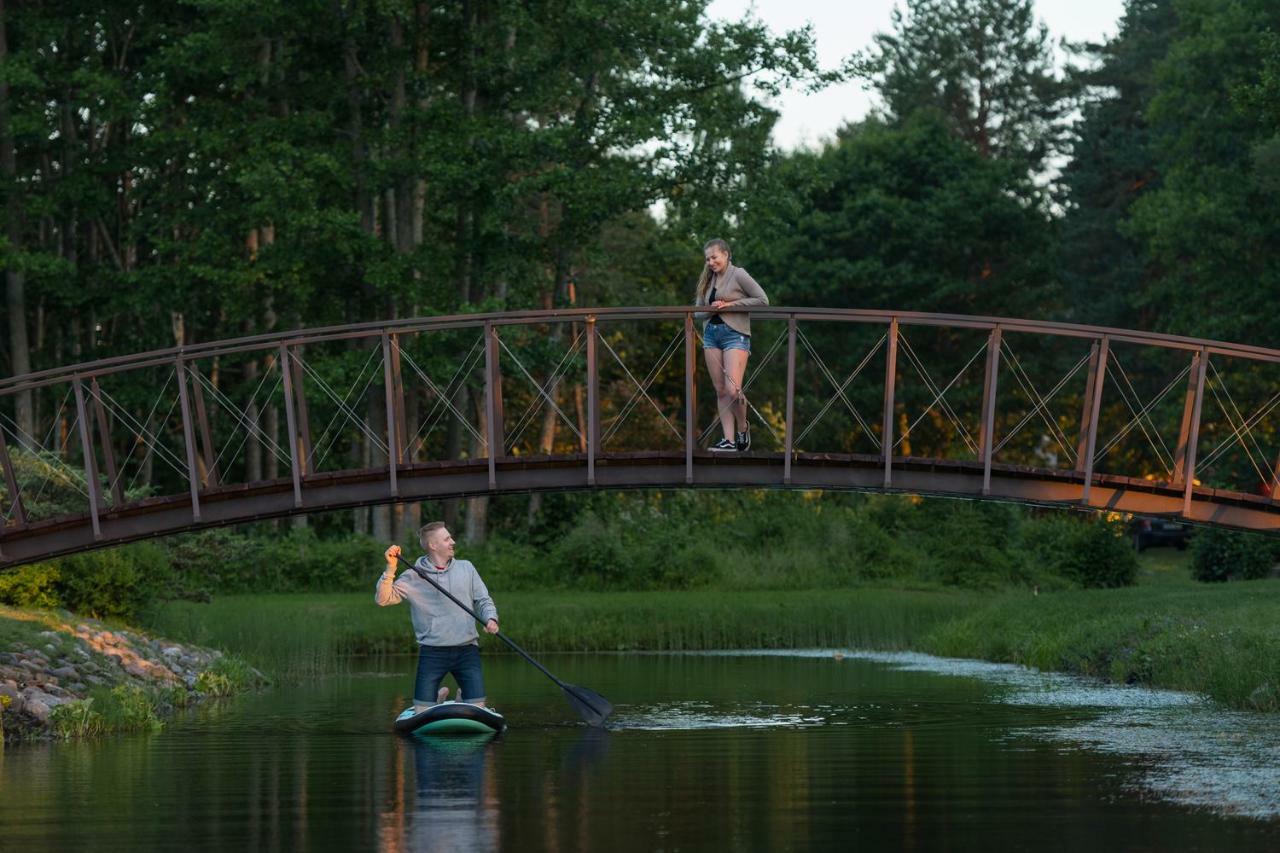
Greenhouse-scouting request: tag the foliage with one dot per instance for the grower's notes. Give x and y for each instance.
(116, 582)
(123, 708)
(1093, 552)
(986, 65)
(33, 585)
(1221, 555)
(226, 676)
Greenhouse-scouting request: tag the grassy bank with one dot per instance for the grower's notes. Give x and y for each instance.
(1222, 640)
(310, 633)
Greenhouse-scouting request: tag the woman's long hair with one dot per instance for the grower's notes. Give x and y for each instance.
(704, 280)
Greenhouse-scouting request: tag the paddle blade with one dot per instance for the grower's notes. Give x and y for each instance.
(591, 706)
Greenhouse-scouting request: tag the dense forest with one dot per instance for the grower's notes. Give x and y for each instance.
(180, 172)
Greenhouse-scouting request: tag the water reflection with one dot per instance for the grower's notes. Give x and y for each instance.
(455, 805)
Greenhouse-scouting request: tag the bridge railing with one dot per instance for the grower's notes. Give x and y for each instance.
(121, 438)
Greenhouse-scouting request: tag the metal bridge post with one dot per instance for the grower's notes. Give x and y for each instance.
(193, 477)
(291, 420)
(593, 402)
(1087, 406)
(493, 400)
(202, 427)
(986, 437)
(791, 399)
(393, 445)
(690, 398)
(1190, 473)
(303, 427)
(104, 441)
(90, 463)
(1184, 430)
(1097, 380)
(11, 482)
(1275, 476)
(397, 382)
(890, 377)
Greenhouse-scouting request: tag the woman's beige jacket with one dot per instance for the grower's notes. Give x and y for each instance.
(737, 286)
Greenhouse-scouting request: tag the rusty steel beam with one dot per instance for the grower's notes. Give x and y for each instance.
(90, 463)
(202, 428)
(86, 429)
(468, 478)
(986, 437)
(1188, 412)
(791, 400)
(393, 445)
(1086, 407)
(1275, 476)
(593, 401)
(11, 483)
(154, 358)
(291, 421)
(303, 434)
(188, 437)
(493, 401)
(1189, 475)
(1098, 381)
(104, 441)
(890, 378)
(397, 380)
(690, 397)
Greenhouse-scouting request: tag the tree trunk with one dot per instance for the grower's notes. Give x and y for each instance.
(15, 280)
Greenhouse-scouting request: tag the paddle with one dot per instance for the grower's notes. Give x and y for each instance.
(591, 706)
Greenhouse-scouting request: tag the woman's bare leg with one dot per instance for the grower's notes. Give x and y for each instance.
(724, 400)
(735, 368)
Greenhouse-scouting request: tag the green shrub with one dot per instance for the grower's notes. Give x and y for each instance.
(228, 675)
(116, 582)
(1221, 555)
(76, 719)
(1090, 551)
(35, 585)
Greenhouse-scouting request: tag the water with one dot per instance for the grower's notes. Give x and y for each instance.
(768, 751)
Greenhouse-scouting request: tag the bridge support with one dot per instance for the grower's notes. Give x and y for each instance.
(11, 484)
(104, 441)
(1194, 437)
(791, 400)
(90, 463)
(890, 378)
(986, 436)
(1188, 413)
(1093, 403)
(593, 400)
(690, 397)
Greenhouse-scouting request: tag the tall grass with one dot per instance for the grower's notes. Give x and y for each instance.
(1221, 640)
(307, 634)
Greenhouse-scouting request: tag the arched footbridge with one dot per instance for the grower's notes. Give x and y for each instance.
(313, 420)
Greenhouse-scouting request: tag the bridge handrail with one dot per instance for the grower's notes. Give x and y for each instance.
(299, 337)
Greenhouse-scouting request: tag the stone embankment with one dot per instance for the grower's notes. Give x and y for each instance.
(51, 667)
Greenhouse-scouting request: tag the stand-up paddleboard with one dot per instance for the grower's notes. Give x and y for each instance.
(450, 718)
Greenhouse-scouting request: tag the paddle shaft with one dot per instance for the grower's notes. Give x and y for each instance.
(501, 636)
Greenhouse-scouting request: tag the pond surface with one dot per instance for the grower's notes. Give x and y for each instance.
(741, 751)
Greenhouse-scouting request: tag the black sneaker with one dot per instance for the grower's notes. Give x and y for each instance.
(724, 445)
(743, 440)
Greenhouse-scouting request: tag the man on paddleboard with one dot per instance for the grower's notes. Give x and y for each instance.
(447, 639)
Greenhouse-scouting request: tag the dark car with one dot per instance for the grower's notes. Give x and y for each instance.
(1150, 532)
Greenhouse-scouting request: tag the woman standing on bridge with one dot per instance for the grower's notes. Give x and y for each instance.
(726, 338)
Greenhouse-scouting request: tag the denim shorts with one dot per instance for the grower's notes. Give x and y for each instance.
(435, 662)
(723, 336)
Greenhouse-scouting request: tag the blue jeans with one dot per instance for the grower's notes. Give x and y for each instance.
(722, 336)
(435, 662)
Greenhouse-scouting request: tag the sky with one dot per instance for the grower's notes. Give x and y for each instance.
(844, 26)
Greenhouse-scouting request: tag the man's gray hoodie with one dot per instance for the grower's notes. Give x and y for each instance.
(437, 621)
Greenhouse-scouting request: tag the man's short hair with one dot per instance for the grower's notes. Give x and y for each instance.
(427, 529)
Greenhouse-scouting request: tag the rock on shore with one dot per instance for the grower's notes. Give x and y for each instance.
(59, 666)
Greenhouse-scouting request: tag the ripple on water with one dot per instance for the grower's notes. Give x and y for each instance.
(684, 716)
(1185, 749)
